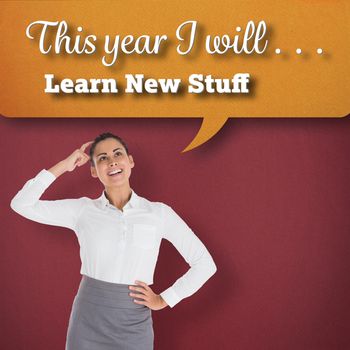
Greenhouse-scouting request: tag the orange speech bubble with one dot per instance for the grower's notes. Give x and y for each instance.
(239, 59)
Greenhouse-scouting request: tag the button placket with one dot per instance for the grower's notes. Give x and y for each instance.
(124, 228)
(122, 223)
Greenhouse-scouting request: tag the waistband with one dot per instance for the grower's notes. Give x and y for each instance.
(109, 294)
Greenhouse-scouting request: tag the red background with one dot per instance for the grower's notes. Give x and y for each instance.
(269, 198)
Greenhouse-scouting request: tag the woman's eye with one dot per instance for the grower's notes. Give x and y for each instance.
(118, 153)
(102, 158)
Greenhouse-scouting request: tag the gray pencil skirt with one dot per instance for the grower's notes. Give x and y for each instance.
(105, 317)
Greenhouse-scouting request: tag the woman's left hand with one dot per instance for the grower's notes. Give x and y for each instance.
(150, 299)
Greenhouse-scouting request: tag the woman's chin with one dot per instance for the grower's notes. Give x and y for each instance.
(118, 181)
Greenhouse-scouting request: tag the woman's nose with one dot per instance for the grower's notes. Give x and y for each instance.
(113, 162)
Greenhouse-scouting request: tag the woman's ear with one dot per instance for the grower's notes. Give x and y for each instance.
(132, 163)
(93, 171)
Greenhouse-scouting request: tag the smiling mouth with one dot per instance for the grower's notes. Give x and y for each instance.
(115, 172)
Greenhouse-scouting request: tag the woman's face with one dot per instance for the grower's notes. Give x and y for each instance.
(112, 164)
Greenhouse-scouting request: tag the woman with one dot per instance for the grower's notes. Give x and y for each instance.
(119, 235)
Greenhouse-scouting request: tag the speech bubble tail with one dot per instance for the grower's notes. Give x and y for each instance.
(210, 126)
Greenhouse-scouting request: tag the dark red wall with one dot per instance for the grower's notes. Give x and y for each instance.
(270, 198)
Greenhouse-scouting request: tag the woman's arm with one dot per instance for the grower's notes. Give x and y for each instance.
(202, 265)
(77, 158)
(59, 212)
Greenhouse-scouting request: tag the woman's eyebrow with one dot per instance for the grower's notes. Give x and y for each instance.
(106, 153)
(101, 154)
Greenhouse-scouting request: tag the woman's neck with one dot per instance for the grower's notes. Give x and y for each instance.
(118, 196)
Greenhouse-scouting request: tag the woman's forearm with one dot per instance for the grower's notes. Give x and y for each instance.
(27, 201)
(77, 158)
(58, 169)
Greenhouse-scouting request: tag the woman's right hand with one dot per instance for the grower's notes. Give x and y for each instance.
(77, 158)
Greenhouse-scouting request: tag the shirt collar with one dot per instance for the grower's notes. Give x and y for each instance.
(132, 203)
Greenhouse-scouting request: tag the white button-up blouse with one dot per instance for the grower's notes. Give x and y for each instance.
(120, 246)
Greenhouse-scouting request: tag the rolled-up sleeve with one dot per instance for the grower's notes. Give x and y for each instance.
(202, 265)
(26, 202)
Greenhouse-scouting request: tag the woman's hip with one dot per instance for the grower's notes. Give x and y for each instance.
(113, 295)
(104, 313)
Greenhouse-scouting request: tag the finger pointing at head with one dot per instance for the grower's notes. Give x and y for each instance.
(85, 145)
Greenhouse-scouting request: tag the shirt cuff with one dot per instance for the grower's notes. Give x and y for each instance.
(170, 297)
(45, 177)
